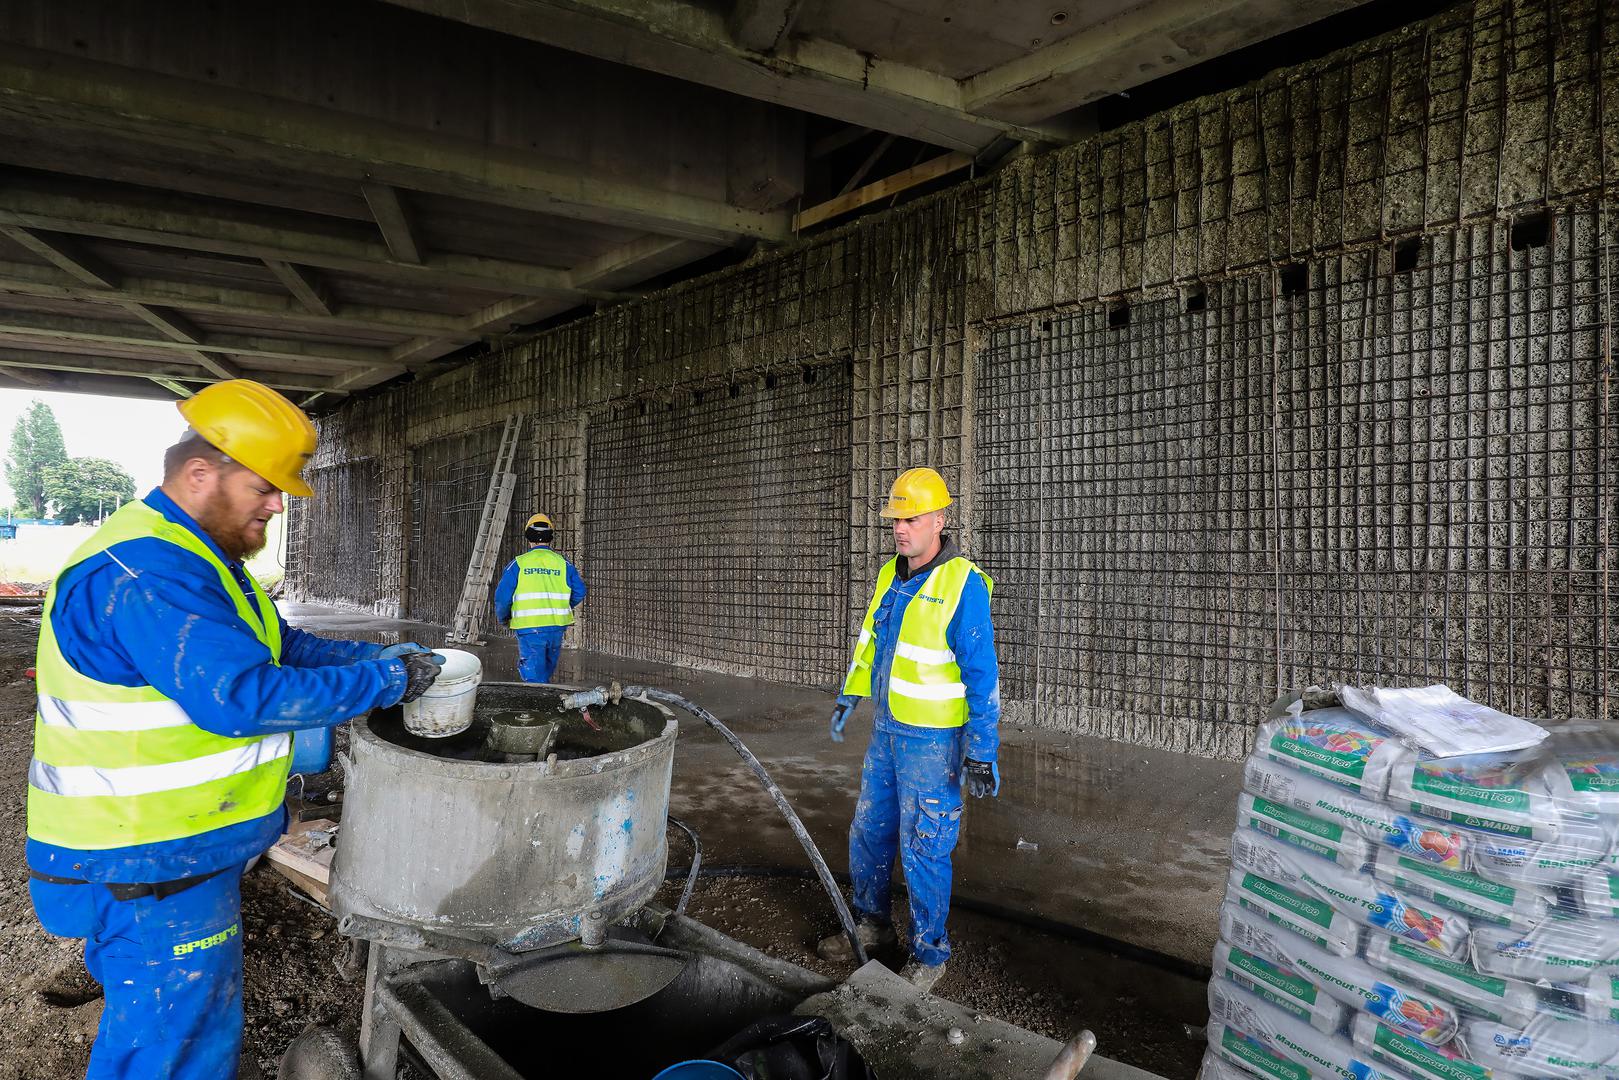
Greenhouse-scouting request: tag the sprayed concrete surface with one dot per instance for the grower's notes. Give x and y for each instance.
(1114, 839)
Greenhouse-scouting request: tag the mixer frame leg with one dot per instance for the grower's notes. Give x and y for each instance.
(379, 1034)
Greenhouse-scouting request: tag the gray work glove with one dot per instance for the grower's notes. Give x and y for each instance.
(841, 712)
(983, 778)
(421, 670)
(404, 649)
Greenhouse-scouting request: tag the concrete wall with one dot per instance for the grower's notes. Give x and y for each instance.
(1305, 381)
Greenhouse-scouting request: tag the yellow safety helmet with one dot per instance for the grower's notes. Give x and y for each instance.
(917, 491)
(255, 427)
(537, 519)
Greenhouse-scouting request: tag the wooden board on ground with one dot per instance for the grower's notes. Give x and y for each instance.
(304, 855)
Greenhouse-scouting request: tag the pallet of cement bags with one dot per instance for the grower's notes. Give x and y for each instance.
(1421, 888)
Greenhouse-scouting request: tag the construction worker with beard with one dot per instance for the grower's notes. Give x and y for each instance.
(169, 690)
(926, 658)
(536, 596)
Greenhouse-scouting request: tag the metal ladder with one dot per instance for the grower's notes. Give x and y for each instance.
(491, 528)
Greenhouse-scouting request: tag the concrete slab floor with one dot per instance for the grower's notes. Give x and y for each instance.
(1113, 839)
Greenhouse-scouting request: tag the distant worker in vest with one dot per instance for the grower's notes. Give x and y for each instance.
(169, 692)
(926, 658)
(536, 597)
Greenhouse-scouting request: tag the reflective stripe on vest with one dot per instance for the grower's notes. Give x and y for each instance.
(924, 685)
(540, 572)
(120, 765)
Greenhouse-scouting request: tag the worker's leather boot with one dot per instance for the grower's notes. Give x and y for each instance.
(872, 934)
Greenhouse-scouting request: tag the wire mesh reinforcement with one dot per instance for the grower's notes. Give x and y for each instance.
(338, 551)
(716, 528)
(1386, 476)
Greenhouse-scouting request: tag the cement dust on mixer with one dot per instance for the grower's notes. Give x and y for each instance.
(446, 707)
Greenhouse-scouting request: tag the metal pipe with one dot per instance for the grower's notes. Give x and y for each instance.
(1072, 1057)
(448, 1046)
(653, 693)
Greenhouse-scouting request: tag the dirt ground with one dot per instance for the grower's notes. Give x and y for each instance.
(49, 1006)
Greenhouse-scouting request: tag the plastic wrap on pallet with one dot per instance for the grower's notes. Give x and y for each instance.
(1283, 986)
(1351, 982)
(1335, 745)
(1376, 822)
(1360, 897)
(1507, 794)
(1235, 1017)
(1479, 995)
(1550, 1045)
(1522, 906)
(1559, 950)
(1410, 1055)
(1437, 721)
(1215, 1067)
(1292, 826)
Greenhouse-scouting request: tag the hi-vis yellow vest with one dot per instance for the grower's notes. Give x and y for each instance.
(119, 765)
(924, 685)
(542, 590)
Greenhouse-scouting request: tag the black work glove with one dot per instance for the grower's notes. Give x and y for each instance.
(421, 669)
(983, 778)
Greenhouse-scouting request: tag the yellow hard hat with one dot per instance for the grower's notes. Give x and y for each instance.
(255, 427)
(537, 519)
(917, 491)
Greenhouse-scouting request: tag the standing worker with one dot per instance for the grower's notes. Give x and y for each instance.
(926, 656)
(169, 689)
(536, 597)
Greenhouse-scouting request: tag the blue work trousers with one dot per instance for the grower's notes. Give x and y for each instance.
(910, 805)
(171, 970)
(538, 651)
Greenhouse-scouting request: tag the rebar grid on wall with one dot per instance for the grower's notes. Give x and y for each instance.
(716, 527)
(1389, 476)
(338, 551)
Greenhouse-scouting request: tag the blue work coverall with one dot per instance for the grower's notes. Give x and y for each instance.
(147, 612)
(538, 647)
(910, 783)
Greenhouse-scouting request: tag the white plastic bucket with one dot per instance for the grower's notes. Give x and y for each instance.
(446, 708)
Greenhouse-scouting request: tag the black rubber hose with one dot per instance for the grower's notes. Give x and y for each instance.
(828, 882)
(696, 864)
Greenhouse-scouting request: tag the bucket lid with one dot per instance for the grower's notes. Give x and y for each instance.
(458, 664)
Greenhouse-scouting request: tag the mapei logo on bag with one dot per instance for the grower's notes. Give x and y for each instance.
(188, 947)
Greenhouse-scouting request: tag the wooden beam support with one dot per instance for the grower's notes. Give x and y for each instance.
(62, 328)
(169, 323)
(303, 285)
(634, 261)
(882, 189)
(69, 92)
(394, 221)
(17, 360)
(866, 166)
(181, 389)
(93, 210)
(26, 279)
(65, 256)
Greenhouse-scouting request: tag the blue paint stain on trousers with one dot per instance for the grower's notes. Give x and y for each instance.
(910, 806)
(538, 652)
(171, 970)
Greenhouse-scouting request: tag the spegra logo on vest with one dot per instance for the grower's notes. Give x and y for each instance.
(539, 570)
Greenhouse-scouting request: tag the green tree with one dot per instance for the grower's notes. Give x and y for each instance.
(83, 489)
(36, 445)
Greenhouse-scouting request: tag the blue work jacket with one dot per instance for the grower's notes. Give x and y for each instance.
(506, 588)
(173, 627)
(970, 636)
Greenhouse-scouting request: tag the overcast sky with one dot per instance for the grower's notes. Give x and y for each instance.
(134, 433)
